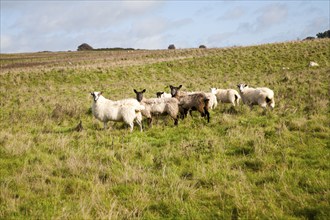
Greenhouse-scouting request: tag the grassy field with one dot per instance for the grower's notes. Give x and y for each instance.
(244, 164)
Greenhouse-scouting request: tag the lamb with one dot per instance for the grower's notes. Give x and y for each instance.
(257, 96)
(126, 110)
(226, 96)
(163, 95)
(192, 101)
(158, 106)
(213, 102)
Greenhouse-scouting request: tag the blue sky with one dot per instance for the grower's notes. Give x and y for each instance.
(31, 26)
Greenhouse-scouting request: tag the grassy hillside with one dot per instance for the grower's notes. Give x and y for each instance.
(244, 164)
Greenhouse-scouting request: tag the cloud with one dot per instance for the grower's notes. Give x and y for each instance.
(271, 15)
(314, 26)
(56, 25)
(267, 17)
(233, 13)
(219, 39)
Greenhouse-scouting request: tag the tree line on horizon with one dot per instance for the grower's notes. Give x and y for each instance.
(87, 47)
(325, 34)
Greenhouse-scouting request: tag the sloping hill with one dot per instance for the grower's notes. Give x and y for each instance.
(244, 164)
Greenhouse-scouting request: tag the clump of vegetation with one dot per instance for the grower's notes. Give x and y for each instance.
(171, 47)
(320, 35)
(244, 164)
(84, 47)
(325, 34)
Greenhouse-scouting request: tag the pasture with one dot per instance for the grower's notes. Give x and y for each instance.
(244, 164)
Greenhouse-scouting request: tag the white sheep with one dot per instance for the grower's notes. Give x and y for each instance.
(226, 95)
(257, 96)
(163, 95)
(213, 102)
(126, 110)
(158, 106)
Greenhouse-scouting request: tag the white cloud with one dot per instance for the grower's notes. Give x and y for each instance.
(232, 14)
(271, 15)
(63, 25)
(219, 39)
(314, 26)
(55, 25)
(156, 26)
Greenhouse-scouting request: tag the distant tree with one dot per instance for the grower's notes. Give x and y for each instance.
(309, 38)
(171, 47)
(202, 46)
(85, 46)
(325, 34)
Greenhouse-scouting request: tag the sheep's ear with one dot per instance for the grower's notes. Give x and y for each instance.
(171, 86)
(135, 91)
(143, 91)
(180, 86)
(92, 93)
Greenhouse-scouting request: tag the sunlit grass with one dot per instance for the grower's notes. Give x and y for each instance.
(244, 164)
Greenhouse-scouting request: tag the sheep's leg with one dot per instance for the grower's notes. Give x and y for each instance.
(150, 122)
(185, 113)
(190, 113)
(207, 114)
(105, 125)
(131, 124)
(138, 120)
(140, 124)
(176, 121)
(272, 104)
(237, 101)
(201, 110)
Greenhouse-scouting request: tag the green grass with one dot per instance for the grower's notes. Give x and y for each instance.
(244, 164)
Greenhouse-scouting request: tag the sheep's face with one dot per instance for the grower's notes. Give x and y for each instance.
(242, 86)
(159, 94)
(175, 90)
(96, 95)
(139, 95)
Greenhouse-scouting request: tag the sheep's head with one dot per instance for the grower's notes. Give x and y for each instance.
(214, 91)
(175, 90)
(96, 95)
(139, 95)
(159, 94)
(242, 86)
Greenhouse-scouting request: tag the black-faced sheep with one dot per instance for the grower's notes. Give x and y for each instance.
(158, 106)
(189, 102)
(163, 95)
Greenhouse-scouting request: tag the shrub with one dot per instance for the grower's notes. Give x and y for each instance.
(85, 46)
(325, 34)
(171, 47)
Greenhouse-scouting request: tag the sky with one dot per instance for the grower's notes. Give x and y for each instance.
(32, 26)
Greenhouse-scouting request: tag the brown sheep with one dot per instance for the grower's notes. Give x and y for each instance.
(190, 102)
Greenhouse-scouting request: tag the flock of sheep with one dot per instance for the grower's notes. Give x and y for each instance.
(177, 104)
